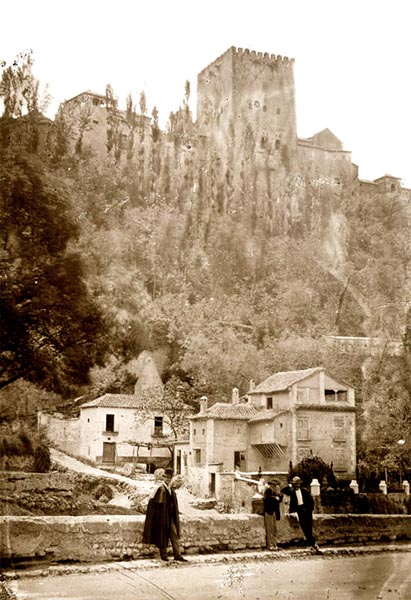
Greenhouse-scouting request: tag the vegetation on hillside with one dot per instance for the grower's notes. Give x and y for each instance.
(102, 261)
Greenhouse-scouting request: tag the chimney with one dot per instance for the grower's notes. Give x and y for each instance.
(252, 385)
(235, 397)
(203, 405)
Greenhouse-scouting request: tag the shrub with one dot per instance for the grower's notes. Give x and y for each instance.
(313, 467)
(42, 460)
(103, 492)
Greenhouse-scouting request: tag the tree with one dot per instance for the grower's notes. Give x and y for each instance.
(313, 467)
(387, 420)
(49, 324)
(175, 402)
(113, 142)
(19, 88)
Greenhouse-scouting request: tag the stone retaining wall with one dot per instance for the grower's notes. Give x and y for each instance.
(96, 538)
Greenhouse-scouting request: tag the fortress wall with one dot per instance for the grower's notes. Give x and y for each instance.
(108, 538)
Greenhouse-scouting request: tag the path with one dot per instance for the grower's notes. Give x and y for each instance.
(145, 485)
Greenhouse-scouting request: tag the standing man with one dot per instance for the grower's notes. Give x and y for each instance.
(162, 519)
(272, 499)
(302, 503)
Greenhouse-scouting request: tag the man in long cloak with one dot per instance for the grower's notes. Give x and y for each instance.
(162, 519)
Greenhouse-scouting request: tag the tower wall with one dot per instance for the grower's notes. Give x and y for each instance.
(246, 109)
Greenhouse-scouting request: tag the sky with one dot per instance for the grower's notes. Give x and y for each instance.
(352, 59)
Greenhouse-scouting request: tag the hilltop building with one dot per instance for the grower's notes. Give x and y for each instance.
(244, 141)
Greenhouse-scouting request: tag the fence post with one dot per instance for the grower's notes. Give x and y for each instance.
(316, 494)
(383, 487)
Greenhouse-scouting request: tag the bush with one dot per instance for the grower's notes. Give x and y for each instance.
(103, 492)
(42, 460)
(345, 501)
(313, 467)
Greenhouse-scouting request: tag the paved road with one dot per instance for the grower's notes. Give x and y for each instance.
(384, 576)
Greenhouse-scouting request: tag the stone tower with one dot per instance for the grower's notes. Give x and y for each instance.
(247, 119)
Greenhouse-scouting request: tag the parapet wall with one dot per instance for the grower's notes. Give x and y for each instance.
(262, 56)
(109, 538)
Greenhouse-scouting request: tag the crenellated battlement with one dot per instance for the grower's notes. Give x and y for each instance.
(264, 57)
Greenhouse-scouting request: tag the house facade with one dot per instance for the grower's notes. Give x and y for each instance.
(288, 416)
(118, 428)
(115, 429)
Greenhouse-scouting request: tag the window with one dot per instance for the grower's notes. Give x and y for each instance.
(110, 423)
(195, 431)
(269, 403)
(239, 459)
(197, 456)
(158, 426)
(278, 111)
(277, 144)
(338, 422)
(340, 463)
(339, 428)
(303, 429)
(203, 430)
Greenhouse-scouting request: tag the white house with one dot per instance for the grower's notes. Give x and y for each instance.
(118, 428)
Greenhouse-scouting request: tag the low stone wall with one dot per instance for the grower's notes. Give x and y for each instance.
(96, 538)
(18, 482)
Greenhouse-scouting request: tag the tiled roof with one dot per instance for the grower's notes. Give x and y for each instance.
(114, 401)
(334, 407)
(225, 410)
(267, 415)
(282, 381)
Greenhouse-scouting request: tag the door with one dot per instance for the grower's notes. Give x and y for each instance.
(109, 452)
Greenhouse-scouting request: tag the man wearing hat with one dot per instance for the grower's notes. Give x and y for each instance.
(162, 519)
(302, 503)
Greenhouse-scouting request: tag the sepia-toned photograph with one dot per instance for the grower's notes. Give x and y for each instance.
(205, 300)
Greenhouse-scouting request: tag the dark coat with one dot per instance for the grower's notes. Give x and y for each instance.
(307, 499)
(272, 504)
(162, 509)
